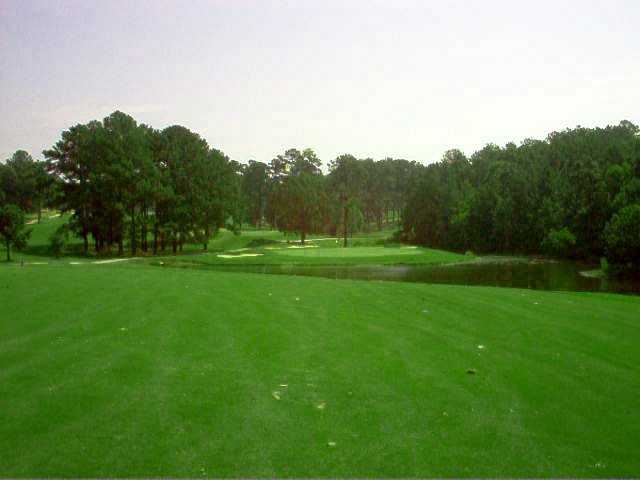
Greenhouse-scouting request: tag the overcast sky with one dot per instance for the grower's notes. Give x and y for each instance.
(372, 78)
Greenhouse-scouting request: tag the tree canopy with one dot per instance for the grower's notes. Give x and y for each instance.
(575, 193)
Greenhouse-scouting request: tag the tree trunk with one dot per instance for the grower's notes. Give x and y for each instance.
(85, 243)
(175, 246)
(134, 247)
(346, 220)
(8, 249)
(155, 238)
(303, 236)
(39, 212)
(143, 230)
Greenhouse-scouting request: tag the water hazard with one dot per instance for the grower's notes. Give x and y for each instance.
(533, 274)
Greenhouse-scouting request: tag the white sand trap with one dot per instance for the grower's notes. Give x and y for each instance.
(239, 250)
(75, 263)
(303, 246)
(31, 222)
(313, 239)
(276, 395)
(54, 216)
(321, 406)
(113, 260)
(241, 255)
(480, 347)
(411, 246)
(38, 263)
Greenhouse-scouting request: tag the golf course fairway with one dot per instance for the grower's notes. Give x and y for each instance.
(128, 371)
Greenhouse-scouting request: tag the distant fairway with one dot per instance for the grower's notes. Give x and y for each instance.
(269, 248)
(113, 370)
(344, 252)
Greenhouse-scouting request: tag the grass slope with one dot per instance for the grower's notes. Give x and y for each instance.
(113, 371)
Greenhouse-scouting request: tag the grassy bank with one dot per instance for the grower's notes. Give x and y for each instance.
(112, 371)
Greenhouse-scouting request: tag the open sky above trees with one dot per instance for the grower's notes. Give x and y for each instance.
(405, 79)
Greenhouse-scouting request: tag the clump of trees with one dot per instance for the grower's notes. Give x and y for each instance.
(25, 187)
(12, 228)
(575, 194)
(126, 185)
(25, 183)
(124, 182)
(622, 237)
(293, 194)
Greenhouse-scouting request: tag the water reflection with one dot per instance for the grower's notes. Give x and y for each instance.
(526, 274)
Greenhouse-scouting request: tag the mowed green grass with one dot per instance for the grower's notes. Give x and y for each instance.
(251, 247)
(108, 370)
(228, 249)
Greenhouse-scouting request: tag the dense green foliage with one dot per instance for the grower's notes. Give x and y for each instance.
(541, 194)
(12, 228)
(25, 183)
(559, 243)
(294, 195)
(121, 180)
(623, 237)
(125, 184)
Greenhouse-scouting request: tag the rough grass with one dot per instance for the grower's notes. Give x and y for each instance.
(128, 372)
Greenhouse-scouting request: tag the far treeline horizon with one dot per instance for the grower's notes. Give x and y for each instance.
(575, 194)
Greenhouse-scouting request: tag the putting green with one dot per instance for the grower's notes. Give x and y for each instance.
(354, 252)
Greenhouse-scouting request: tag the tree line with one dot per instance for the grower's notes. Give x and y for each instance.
(575, 194)
(128, 186)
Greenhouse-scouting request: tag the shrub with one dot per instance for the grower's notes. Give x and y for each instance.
(622, 238)
(58, 240)
(559, 243)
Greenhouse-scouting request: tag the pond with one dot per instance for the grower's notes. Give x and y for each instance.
(533, 274)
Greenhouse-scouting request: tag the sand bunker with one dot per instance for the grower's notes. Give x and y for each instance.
(241, 255)
(303, 246)
(114, 260)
